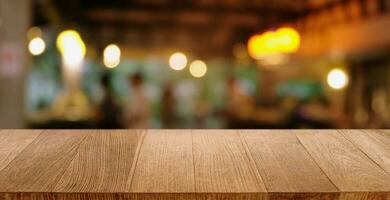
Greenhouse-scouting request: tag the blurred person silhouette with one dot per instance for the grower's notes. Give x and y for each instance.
(240, 106)
(109, 112)
(137, 108)
(168, 107)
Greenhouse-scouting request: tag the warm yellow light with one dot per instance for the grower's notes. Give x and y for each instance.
(337, 79)
(255, 46)
(270, 42)
(198, 68)
(284, 40)
(288, 40)
(178, 61)
(260, 46)
(111, 56)
(36, 46)
(71, 46)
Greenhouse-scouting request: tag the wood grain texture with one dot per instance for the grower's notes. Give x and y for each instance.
(194, 164)
(165, 163)
(376, 144)
(134, 196)
(222, 163)
(38, 167)
(284, 163)
(363, 196)
(103, 163)
(307, 196)
(12, 142)
(346, 166)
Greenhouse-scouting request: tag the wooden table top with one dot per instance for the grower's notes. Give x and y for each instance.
(194, 164)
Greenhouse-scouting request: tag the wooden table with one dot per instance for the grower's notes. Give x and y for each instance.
(194, 164)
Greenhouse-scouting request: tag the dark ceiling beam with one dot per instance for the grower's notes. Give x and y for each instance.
(163, 19)
(198, 13)
(243, 8)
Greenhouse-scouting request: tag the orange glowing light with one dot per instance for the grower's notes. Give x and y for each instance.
(255, 46)
(270, 43)
(288, 39)
(283, 40)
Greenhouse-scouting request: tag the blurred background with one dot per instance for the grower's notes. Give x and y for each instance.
(194, 64)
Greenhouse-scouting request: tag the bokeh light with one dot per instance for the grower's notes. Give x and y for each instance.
(283, 40)
(178, 61)
(36, 46)
(111, 56)
(337, 79)
(255, 46)
(198, 68)
(288, 40)
(72, 47)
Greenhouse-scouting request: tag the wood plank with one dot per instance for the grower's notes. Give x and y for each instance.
(284, 164)
(363, 196)
(346, 166)
(375, 144)
(38, 167)
(194, 164)
(303, 196)
(165, 163)
(222, 163)
(12, 142)
(131, 196)
(103, 163)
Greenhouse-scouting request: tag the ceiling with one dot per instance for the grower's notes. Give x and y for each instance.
(207, 27)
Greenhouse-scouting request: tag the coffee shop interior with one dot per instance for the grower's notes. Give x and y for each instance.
(195, 64)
